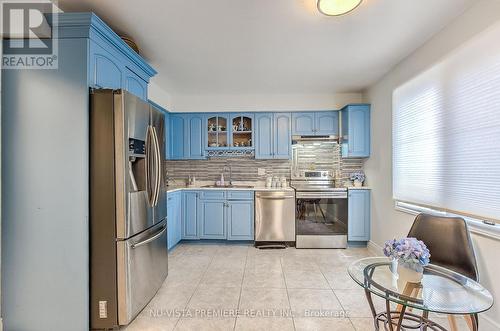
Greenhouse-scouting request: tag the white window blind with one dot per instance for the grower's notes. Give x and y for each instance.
(446, 132)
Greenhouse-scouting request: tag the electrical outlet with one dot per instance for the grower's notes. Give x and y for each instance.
(103, 309)
(261, 171)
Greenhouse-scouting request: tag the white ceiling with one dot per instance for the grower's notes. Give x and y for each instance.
(271, 46)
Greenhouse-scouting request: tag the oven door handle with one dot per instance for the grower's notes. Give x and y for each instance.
(321, 195)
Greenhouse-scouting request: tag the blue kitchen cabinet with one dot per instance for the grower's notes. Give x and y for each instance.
(194, 142)
(135, 84)
(240, 220)
(359, 215)
(242, 131)
(264, 144)
(303, 124)
(320, 123)
(105, 68)
(218, 132)
(273, 136)
(168, 137)
(212, 222)
(174, 224)
(190, 215)
(355, 131)
(282, 135)
(112, 64)
(226, 215)
(177, 137)
(326, 123)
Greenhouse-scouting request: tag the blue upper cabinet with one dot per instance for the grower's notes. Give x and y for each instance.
(112, 63)
(135, 84)
(217, 130)
(321, 123)
(242, 131)
(104, 67)
(356, 131)
(282, 135)
(273, 135)
(168, 136)
(264, 123)
(326, 123)
(186, 138)
(359, 215)
(303, 124)
(194, 142)
(177, 137)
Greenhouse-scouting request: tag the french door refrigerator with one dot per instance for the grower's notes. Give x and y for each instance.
(128, 209)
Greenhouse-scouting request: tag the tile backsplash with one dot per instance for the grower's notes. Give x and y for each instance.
(324, 156)
(244, 169)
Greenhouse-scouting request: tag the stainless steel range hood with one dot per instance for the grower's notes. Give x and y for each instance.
(301, 139)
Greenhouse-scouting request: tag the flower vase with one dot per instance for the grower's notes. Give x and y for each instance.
(358, 183)
(410, 274)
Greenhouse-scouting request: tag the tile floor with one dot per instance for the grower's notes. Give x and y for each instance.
(238, 287)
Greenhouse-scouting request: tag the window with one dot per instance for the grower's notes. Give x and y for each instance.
(446, 132)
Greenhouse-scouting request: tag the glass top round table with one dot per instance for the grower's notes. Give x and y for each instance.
(441, 290)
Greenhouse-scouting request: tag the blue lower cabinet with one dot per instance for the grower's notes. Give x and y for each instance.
(190, 215)
(240, 220)
(359, 215)
(178, 217)
(174, 224)
(212, 215)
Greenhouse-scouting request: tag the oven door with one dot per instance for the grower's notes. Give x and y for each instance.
(321, 219)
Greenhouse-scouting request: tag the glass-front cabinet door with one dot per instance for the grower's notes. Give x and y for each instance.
(218, 132)
(242, 131)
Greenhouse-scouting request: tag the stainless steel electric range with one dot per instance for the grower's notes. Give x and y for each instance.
(321, 212)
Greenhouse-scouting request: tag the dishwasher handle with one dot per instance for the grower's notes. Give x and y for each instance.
(274, 195)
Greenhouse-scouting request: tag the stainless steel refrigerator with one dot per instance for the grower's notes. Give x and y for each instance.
(128, 209)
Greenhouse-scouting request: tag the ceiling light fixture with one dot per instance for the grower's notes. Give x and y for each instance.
(337, 7)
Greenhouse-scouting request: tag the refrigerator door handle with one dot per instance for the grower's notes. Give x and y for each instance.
(150, 239)
(149, 141)
(157, 167)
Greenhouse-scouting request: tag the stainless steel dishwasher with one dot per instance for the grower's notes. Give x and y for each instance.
(274, 217)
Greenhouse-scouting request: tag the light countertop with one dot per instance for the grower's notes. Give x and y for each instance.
(255, 186)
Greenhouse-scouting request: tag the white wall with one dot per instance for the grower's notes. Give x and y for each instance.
(159, 95)
(262, 102)
(388, 223)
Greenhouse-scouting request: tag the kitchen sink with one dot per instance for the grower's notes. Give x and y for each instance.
(227, 186)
